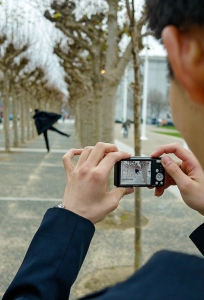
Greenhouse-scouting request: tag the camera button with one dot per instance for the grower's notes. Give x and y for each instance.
(159, 177)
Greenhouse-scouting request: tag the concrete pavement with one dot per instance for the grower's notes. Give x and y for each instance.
(32, 181)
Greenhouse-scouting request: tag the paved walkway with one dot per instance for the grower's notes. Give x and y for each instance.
(32, 181)
(154, 140)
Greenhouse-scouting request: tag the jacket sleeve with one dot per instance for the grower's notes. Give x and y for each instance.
(54, 257)
(197, 237)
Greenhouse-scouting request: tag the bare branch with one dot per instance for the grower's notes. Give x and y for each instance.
(129, 10)
(77, 26)
(124, 61)
(142, 20)
(147, 33)
(83, 43)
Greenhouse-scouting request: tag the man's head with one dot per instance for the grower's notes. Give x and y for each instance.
(180, 24)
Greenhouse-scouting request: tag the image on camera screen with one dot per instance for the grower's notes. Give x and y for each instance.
(136, 172)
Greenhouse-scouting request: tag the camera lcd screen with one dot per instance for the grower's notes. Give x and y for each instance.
(135, 173)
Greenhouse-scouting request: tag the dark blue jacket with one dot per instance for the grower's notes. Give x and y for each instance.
(54, 257)
(60, 245)
(44, 120)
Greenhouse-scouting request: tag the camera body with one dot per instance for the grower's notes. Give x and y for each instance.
(139, 172)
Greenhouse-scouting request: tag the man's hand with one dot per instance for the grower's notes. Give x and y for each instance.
(86, 189)
(187, 174)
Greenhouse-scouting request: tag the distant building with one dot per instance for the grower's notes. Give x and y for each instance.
(158, 87)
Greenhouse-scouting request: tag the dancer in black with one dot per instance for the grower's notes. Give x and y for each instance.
(44, 121)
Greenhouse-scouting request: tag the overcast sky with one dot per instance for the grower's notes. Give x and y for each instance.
(25, 23)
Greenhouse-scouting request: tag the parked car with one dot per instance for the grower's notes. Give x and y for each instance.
(154, 121)
(169, 123)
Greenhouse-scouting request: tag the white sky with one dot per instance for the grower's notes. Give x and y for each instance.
(155, 48)
(87, 6)
(26, 23)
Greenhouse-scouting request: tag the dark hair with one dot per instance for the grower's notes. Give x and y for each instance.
(180, 13)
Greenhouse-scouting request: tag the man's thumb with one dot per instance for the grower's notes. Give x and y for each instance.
(121, 192)
(173, 170)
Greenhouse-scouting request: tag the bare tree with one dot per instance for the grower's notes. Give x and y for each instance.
(10, 70)
(136, 37)
(17, 91)
(99, 50)
(157, 103)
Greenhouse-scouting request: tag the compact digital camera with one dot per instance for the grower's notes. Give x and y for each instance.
(139, 172)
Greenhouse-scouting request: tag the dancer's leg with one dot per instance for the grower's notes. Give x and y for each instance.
(58, 131)
(46, 140)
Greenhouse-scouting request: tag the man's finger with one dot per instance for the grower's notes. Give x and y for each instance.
(111, 158)
(99, 151)
(67, 158)
(159, 191)
(175, 148)
(179, 151)
(84, 156)
(174, 171)
(119, 193)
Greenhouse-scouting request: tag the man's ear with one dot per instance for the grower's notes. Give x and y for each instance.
(186, 56)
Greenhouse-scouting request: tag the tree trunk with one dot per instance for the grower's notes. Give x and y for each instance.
(6, 106)
(109, 98)
(22, 117)
(110, 84)
(97, 86)
(85, 116)
(137, 144)
(97, 115)
(84, 122)
(137, 141)
(91, 137)
(15, 119)
(27, 97)
(77, 117)
(33, 105)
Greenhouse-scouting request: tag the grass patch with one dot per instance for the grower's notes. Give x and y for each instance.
(176, 134)
(168, 127)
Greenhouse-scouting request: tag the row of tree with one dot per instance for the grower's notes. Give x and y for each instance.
(21, 95)
(89, 52)
(94, 64)
(24, 82)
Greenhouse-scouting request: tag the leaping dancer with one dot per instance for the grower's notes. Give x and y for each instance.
(44, 121)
